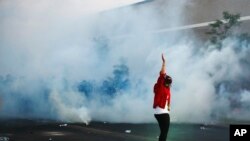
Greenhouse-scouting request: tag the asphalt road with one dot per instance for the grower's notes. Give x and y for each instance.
(29, 130)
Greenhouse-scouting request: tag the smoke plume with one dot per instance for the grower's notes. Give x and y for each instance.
(73, 61)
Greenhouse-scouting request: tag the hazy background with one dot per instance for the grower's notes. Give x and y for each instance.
(78, 61)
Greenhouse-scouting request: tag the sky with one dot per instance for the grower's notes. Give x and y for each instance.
(78, 61)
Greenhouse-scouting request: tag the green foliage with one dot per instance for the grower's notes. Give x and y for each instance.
(221, 29)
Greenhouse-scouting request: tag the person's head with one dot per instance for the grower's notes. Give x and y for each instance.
(168, 81)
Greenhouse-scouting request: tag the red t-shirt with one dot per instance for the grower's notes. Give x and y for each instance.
(162, 93)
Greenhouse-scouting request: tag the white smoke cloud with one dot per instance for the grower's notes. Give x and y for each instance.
(69, 106)
(51, 46)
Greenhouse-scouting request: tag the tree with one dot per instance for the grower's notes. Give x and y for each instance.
(221, 29)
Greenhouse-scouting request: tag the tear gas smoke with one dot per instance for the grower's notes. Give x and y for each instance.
(60, 60)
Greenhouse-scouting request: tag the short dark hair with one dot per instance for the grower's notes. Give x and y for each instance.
(168, 80)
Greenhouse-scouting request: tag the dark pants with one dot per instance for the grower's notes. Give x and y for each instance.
(163, 121)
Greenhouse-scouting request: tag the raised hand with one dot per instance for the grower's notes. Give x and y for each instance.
(162, 57)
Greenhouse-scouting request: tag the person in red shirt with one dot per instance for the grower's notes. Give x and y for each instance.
(162, 101)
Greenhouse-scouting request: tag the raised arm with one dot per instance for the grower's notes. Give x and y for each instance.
(163, 68)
